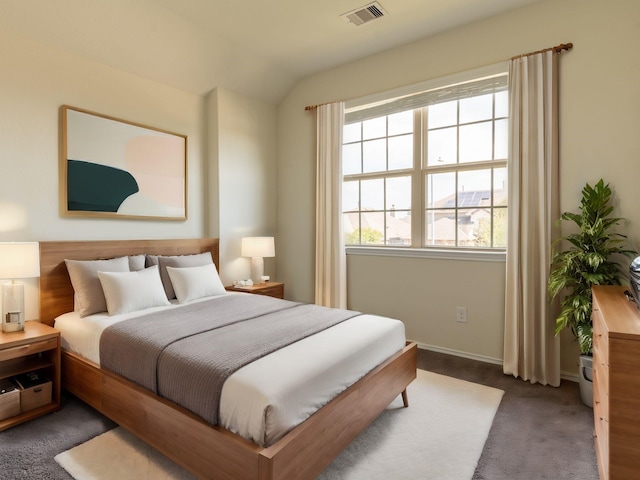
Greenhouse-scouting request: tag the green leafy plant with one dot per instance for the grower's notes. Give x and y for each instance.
(368, 235)
(589, 261)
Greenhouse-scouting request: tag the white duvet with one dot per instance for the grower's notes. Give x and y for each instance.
(262, 401)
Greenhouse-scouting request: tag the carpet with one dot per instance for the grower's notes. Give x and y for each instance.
(440, 436)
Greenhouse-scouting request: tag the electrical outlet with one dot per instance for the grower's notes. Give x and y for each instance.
(461, 314)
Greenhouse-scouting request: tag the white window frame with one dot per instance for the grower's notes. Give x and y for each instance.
(420, 169)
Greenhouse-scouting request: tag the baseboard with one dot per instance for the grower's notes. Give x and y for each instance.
(459, 353)
(564, 375)
(571, 377)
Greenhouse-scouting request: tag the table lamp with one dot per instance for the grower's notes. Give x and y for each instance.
(17, 260)
(257, 248)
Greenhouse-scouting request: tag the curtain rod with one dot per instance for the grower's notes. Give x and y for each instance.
(556, 49)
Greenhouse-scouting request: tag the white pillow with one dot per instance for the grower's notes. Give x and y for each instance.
(180, 261)
(132, 291)
(191, 283)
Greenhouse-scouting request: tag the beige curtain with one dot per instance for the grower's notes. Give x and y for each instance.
(331, 277)
(531, 350)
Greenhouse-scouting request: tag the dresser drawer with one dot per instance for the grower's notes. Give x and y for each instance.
(600, 346)
(600, 394)
(600, 330)
(601, 365)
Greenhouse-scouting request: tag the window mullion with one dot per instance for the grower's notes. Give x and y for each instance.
(417, 186)
(375, 175)
(456, 217)
(493, 209)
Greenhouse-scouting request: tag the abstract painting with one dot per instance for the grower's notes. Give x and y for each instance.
(120, 169)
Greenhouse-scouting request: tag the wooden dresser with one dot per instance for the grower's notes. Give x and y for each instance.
(616, 383)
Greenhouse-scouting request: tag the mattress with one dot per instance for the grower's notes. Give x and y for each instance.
(262, 401)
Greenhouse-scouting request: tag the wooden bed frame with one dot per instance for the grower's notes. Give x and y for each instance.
(205, 450)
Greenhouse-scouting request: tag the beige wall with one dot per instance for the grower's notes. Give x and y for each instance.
(600, 117)
(425, 294)
(36, 80)
(242, 139)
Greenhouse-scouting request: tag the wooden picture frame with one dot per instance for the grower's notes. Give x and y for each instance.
(113, 168)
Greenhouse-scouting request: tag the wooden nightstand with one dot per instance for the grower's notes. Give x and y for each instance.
(270, 289)
(37, 348)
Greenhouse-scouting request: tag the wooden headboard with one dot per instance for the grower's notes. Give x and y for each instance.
(56, 292)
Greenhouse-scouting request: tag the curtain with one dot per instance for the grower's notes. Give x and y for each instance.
(331, 263)
(531, 350)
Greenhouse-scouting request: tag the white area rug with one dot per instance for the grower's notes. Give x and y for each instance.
(439, 437)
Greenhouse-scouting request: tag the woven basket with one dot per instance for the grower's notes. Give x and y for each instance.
(10, 404)
(35, 396)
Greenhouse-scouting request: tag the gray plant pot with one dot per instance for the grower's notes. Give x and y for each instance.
(586, 380)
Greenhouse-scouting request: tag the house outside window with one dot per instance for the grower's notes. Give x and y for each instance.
(429, 170)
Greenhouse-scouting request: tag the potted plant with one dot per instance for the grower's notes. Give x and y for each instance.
(589, 260)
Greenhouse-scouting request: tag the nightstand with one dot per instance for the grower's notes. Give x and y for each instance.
(270, 289)
(36, 349)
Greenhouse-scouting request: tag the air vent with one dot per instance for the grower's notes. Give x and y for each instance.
(364, 14)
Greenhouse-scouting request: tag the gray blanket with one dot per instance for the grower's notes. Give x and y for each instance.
(186, 354)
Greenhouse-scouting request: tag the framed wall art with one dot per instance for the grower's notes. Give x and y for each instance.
(119, 169)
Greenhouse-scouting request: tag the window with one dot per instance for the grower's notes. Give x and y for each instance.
(428, 169)
(378, 160)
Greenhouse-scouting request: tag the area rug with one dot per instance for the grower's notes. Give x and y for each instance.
(440, 436)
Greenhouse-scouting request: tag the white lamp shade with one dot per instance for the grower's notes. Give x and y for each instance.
(19, 260)
(258, 247)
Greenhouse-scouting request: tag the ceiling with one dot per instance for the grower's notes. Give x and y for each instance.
(255, 47)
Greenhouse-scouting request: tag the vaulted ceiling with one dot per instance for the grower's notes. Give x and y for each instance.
(255, 47)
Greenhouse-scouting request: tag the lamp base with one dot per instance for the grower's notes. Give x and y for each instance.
(257, 269)
(12, 327)
(12, 307)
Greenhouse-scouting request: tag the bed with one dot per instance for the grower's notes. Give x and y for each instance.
(205, 450)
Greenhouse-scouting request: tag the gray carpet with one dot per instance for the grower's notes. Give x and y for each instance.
(27, 450)
(538, 433)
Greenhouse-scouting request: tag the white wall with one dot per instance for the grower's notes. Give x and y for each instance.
(242, 139)
(600, 116)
